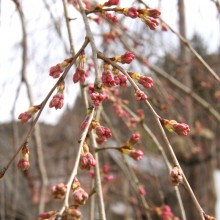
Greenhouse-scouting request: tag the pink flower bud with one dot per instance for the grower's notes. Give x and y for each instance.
(55, 71)
(154, 13)
(80, 196)
(106, 169)
(59, 191)
(80, 75)
(111, 17)
(136, 154)
(23, 164)
(132, 12)
(127, 57)
(141, 190)
(87, 161)
(121, 80)
(151, 23)
(103, 133)
(47, 215)
(166, 213)
(108, 79)
(134, 139)
(140, 95)
(176, 176)
(58, 101)
(24, 117)
(181, 129)
(147, 82)
(108, 177)
(111, 3)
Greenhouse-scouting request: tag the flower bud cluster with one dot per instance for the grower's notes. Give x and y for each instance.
(104, 173)
(176, 176)
(58, 100)
(126, 58)
(140, 95)
(59, 191)
(56, 70)
(25, 116)
(23, 163)
(145, 81)
(96, 96)
(80, 73)
(181, 129)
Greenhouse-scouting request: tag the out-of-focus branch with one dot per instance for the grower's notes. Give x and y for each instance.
(44, 102)
(189, 46)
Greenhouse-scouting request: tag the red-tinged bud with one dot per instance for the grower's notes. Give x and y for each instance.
(132, 12)
(154, 13)
(80, 75)
(108, 79)
(23, 163)
(173, 126)
(74, 213)
(59, 191)
(140, 95)
(108, 177)
(87, 161)
(97, 98)
(91, 89)
(108, 37)
(151, 23)
(134, 139)
(92, 173)
(121, 80)
(57, 102)
(55, 71)
(176, 176)
(167, 213)
(25, 116)
(140, 113)
(136, 154)
(145, 81)
(111, 17)
(164, 26)
(47, 215)
(111, 3)
(120, 111)
(127, 57)
(141, 190)
(103, 133)
(80, 196)
(106, 169)
(98, 20)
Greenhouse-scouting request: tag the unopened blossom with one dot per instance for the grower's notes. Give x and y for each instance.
(176, 176)
(132, 12)
(106, 169)
(141, 190)
(121, 80)
(167, 213)
(57, 102)
(55, 71)
(80, 196)
(140, 95)
(154, 13)
(108, 37)
(145, 81)
(103, 133)
(140, 113)
(47, 215)
(23, 163)
(151, 23)
(25, 116)
(120, 112)
(74, 213)
(111, 3)
(128, 57)
(111, 17)
(97, 98)
(108, 177)
(80, 75)
(134, 138)
(173, 126)
(98, 20)
(108, 79)
(136, 154)
(59, 191)
(87, 161)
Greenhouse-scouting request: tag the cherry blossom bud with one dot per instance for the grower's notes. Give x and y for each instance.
(121, 80)
(151, 23)
(55, 71)
(80, 75)
(154, 13)
(23, 163)
(58, 101)
(47, 215)
(134, 139)
(166, 213)
(97, 98)
(136, 154)
(132, 12)
(111, 17)
(80, 196)
(108, 79)
(111, 3)
(176, 176)
(140, 95)
(173, 126)
(59, 191)
(127, 57)
(106, 169)
(145, 81)
(103, 133)
(25, 116)
(108, 177)
(87, 161)
(141, 190)
(74, 213)
(98, 20)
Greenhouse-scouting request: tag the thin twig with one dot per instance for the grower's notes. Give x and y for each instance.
(5, 168)
(76, 165)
